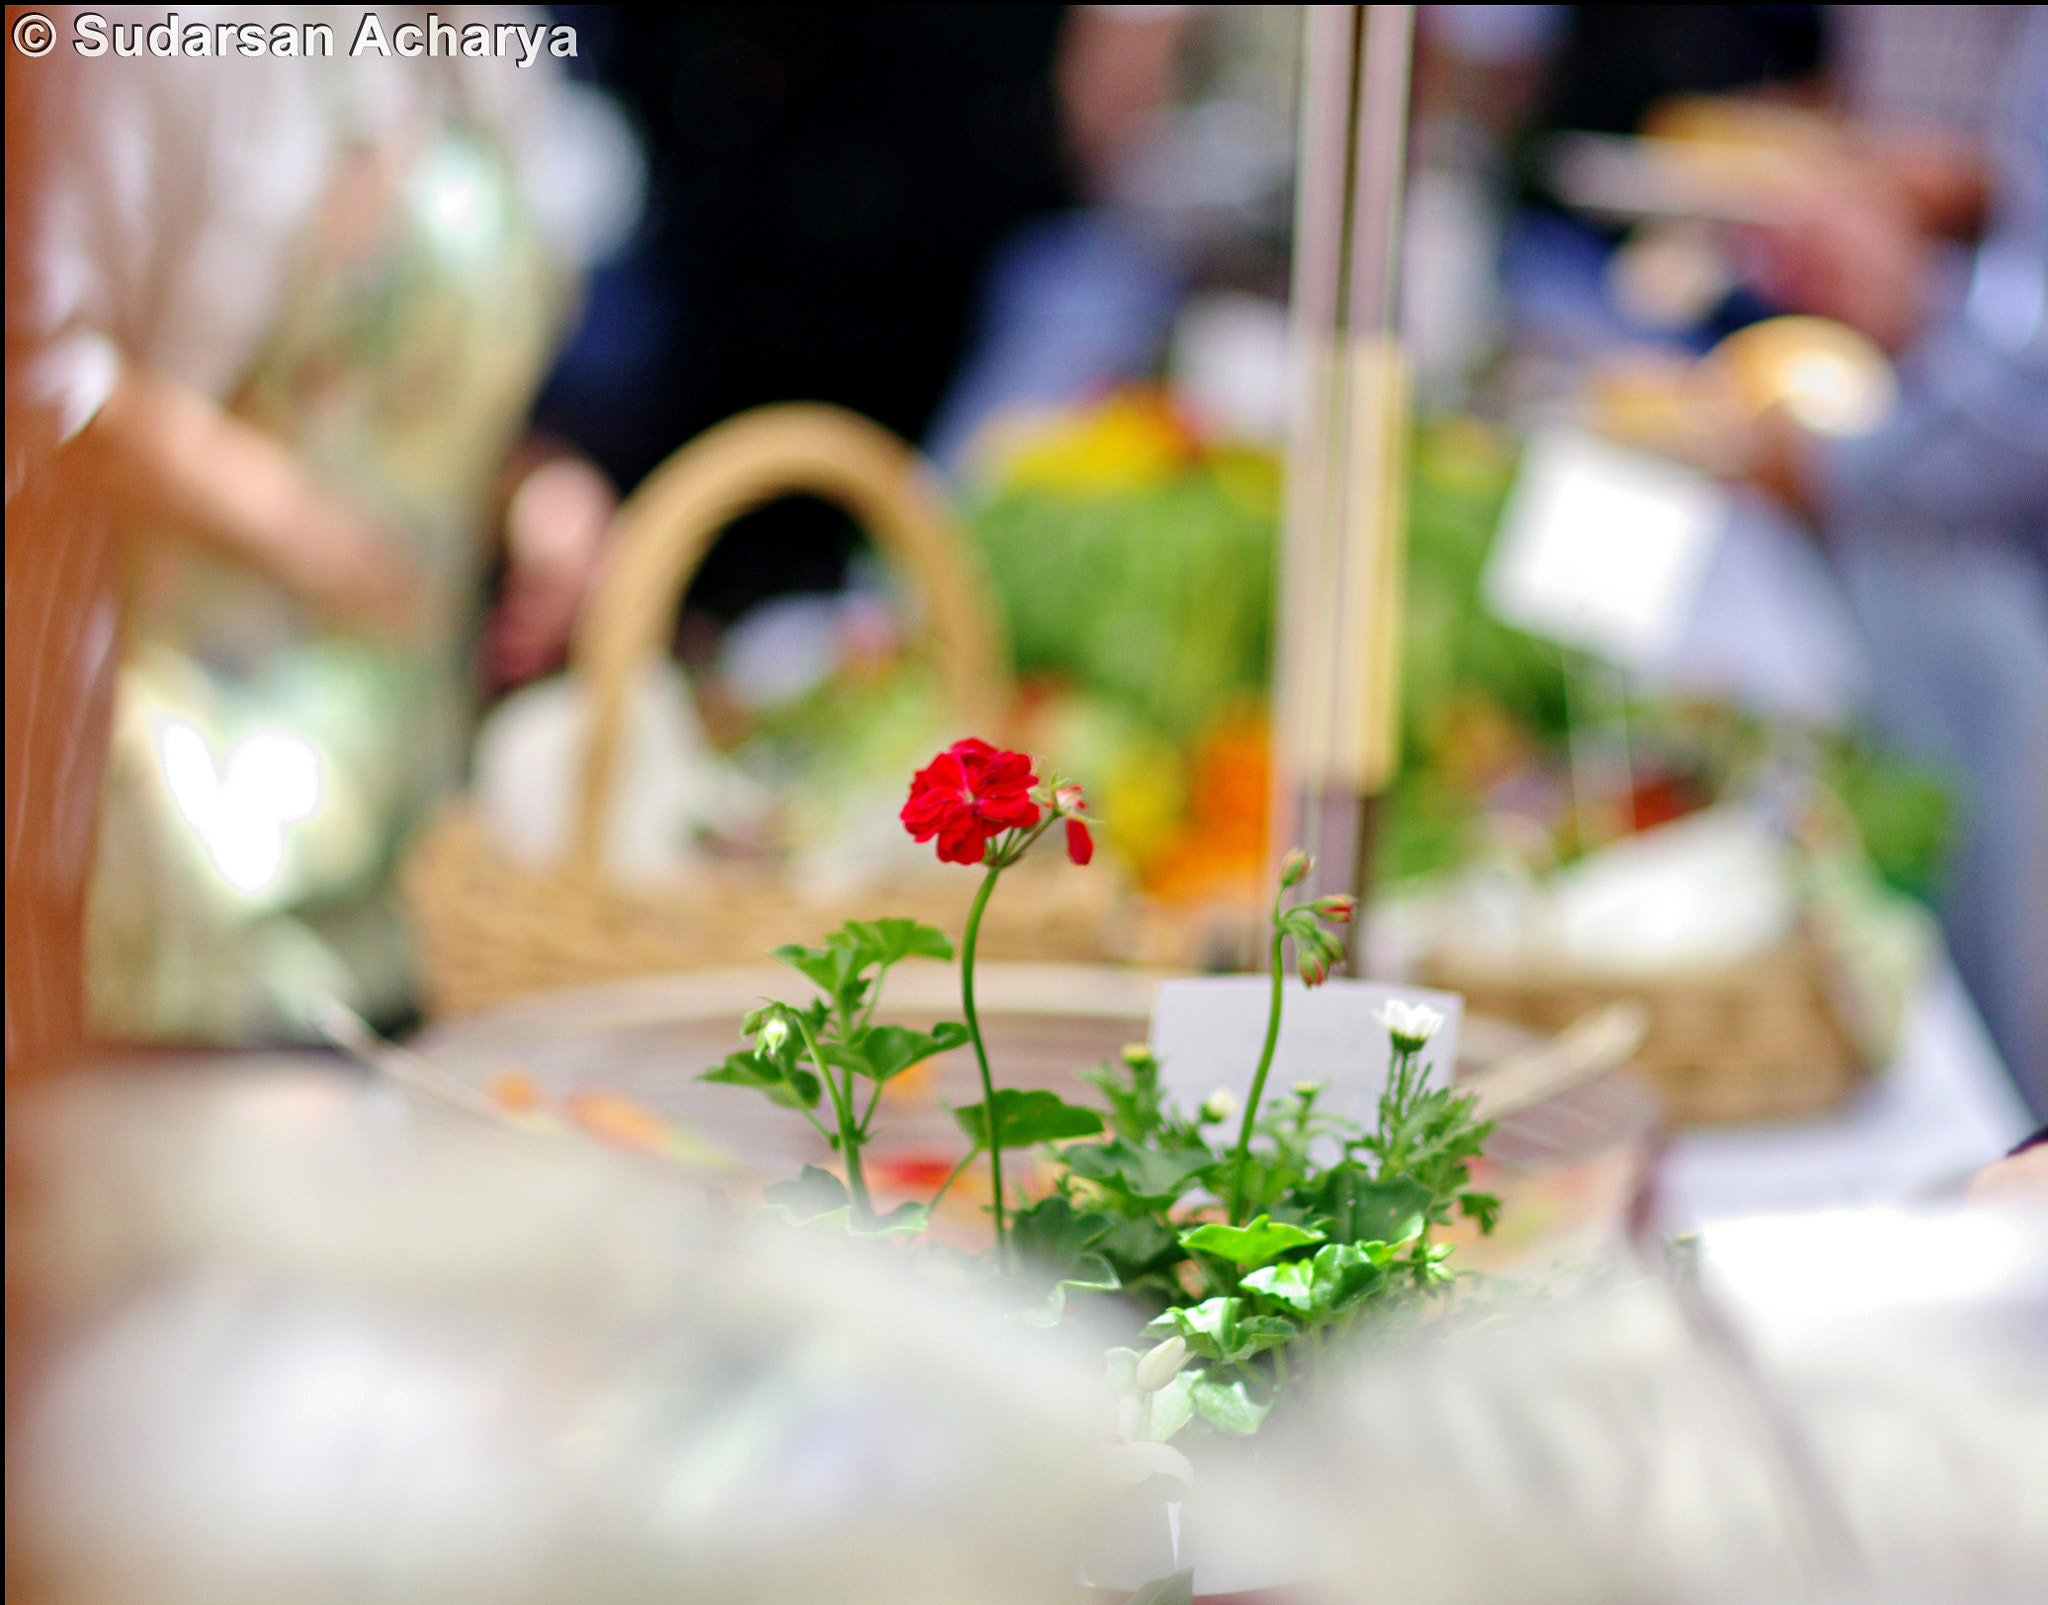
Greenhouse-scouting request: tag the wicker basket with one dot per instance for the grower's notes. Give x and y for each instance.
(492, 927)
(1755, 1041)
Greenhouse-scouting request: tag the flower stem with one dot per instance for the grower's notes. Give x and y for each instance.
(968, 939)
(952, 1176)
(1251, 1104)
(849, 1132)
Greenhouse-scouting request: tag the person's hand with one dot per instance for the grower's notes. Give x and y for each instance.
(1851, 252)
(171, 458)
(554, 532)
(2020, 1178)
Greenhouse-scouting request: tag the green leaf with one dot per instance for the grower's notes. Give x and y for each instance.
(842, 1056)
(1171, 1408)
(1226, 1406)
(792, 1088)
(1216, 1330)
(1482, 1207)
(1179, 1589)
(1148, 1176)
(1138, 1244)
(813, 1193)
(1253, 1244)
(1362, 1210)
(1091, 1274)
(889, 1050)
(1027, 1118)
(1336, 1279)
(829, 968)
(885, 942)
(1052, 1236)
(1292, 1284)
(900, 1221)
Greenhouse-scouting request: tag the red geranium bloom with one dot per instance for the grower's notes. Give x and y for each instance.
(968, 794)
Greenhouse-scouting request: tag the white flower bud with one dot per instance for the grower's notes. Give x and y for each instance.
(1409, 1024)
(1161, 1365)
(1219, 1105)
(773, 1034)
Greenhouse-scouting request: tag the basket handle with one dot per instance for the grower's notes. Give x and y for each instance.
(666, 527)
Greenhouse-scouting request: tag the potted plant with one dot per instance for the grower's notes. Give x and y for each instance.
(1248, 1243)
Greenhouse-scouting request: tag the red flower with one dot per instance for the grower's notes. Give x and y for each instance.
(968, 794)
(1080, 845)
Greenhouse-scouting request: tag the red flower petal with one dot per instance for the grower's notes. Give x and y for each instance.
(968, 794)
(1080, 845)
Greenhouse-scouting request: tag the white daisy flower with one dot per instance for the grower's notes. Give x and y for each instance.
(1411, 1025)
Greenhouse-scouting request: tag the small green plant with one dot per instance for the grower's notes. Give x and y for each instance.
(1255, 1251)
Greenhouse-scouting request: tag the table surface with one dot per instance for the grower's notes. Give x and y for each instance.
(1943, 1107)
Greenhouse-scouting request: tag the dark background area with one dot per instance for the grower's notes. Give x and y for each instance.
(825, 184)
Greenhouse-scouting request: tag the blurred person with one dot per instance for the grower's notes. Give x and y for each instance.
(1176, 123)
(825, 184)
(289, 315)
(1938, 520)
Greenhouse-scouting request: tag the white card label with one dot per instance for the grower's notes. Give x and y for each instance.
(1603, 549)
(1208, 1034)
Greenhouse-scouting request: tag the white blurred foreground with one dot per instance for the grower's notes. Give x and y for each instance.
(275, 1335)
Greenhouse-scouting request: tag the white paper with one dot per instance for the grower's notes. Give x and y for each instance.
(1208, 1033)
(1604, 549)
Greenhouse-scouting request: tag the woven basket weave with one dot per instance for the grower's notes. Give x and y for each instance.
(1752, 1041)
(492, 927)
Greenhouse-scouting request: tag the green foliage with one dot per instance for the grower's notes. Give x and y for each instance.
(1254, 1244)
(1253, 1252)
(1026, 1119)
(1360, 1208)
(1904, 814)
(822, 1052)
(1217, 1329)
(1158, 597)
(1138, 1179)
(815, 1192)
(784, 1083)
(1051, 1235)
(1226, 1406)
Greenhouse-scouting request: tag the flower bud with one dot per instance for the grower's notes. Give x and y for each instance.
(1339, 908)
(1219, 1106)
(1314, 971)
(1305, 1090)
(773, 1033)
(1161, 1365)
(1137, 1056)
(1410, 1025)
(1080, 845)
(1294, 868)
(1068, 799)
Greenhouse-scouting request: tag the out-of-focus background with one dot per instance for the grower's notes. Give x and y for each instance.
(495, 515)
(1723, 632)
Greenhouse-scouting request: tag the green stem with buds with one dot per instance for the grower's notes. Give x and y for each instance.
(968, 939)
(1251, 1104)
(849, 1131)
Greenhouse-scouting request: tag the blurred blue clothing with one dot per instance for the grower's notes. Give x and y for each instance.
(1074, 303)
(1940, 524)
